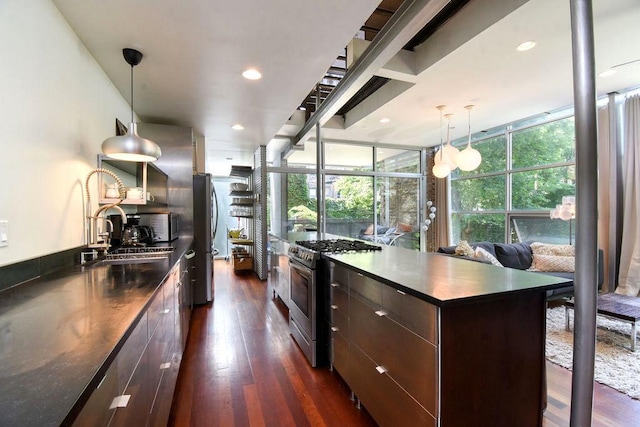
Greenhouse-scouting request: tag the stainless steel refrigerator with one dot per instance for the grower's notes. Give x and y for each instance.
(203, 235)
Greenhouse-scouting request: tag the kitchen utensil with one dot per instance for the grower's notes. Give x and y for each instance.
(112, 191)
(238, 186)
(131, 235)
(134, 193)
(235, 233)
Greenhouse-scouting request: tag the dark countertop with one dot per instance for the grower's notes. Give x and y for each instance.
(57, 331)
(443, 280)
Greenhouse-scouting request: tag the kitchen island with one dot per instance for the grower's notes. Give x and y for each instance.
(428, 339)
(69, 336)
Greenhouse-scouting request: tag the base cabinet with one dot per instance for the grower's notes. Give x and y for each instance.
(387, 402)
(279, 274)
(410, 362)
(138, 386)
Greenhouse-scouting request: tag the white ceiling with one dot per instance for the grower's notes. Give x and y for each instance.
(195, 52)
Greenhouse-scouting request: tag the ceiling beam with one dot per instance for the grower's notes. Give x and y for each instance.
(408, 20)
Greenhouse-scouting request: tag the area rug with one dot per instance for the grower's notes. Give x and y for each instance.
(615, 364)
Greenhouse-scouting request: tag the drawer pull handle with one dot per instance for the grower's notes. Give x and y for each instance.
(334, 329)
(335, 285)
(120, 401)
(400, 292)
(381, 369)
(360, 274)
(381, 313)
(334, 307)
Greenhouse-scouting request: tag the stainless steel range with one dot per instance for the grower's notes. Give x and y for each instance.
(308, 296)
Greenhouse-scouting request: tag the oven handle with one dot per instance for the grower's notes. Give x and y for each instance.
(303, 270)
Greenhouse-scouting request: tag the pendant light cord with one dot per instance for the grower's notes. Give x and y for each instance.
(440, 108)
(131, 94)
(469, 107)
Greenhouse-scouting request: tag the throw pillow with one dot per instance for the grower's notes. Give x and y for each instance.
(514, 255)
(404, 228)
(465, 249)
(548, 249)
(483, 254)
(555, 263)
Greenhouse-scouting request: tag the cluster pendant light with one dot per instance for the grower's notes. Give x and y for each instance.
(449, 158)
(131, 147)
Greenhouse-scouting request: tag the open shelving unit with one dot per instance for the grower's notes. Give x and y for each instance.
(241, 208)
(144, 175)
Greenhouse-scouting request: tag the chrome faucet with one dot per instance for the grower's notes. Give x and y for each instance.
(103, 232)
(93, 232)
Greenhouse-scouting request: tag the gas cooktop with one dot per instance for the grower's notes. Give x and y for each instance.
(337, 245)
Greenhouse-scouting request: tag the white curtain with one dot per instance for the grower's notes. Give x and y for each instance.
(629, 276)
(606, 148)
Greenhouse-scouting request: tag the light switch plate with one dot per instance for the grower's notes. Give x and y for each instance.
(4, 233)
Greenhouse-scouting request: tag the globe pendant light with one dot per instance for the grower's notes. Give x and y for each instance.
(131, 147)
(469, 158)
(441, 168)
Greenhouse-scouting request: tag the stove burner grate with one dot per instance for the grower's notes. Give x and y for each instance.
(337, 245)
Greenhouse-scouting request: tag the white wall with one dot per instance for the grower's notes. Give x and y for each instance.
(56, 108)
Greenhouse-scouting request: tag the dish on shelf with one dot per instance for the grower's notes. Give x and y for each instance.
(243, 211)
(238, 186)
(241, 201)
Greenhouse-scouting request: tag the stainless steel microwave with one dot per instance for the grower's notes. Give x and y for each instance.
(165, 225)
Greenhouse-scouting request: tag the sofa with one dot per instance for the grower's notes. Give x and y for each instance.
(520, 256)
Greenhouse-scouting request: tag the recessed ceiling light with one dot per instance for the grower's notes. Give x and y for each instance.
(251, 74)
(237, 126)
(384, 120)
(529, 44)
(607, 73)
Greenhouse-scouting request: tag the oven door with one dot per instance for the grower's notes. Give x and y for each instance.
(303, 295)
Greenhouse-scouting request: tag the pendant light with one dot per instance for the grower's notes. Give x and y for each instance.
(469, 158)
(131, 147)
(441, 167)
(450, 151)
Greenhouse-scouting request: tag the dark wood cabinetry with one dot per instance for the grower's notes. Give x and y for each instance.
(410, 362)
(138, 386)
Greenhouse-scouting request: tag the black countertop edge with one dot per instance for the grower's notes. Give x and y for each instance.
(554, 282)
(180, 248)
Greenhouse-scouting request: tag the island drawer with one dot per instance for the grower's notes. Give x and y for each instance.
(339, 300)
(365, 287)
(413, 313)
(340, 354)
(340, 276)
(365, 328)
(383, 398)
(339, 322)
(407, 358)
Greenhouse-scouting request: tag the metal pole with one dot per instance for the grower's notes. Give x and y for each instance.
(586, 277)
(320, 208)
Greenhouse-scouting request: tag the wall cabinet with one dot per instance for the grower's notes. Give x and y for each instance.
(145, 175)
(138, 386)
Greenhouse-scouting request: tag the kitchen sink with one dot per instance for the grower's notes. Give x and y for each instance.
(137, 255)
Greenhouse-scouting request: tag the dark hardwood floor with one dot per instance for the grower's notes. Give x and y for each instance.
(242, 368)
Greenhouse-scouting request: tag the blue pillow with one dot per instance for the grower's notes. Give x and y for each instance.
(514, 255)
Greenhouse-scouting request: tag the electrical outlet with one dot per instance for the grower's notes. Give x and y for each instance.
(4, 233)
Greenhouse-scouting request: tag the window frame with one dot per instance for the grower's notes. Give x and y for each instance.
(509, 172)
